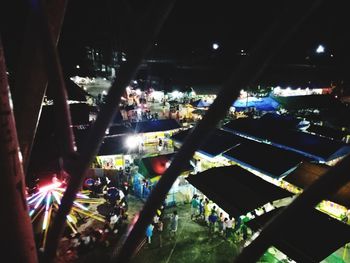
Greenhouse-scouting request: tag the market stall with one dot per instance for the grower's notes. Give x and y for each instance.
(306, 174)
(152, 168)
(311, 237)
(236, 190)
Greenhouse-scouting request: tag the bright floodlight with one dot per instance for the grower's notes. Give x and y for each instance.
(320, 49)
(215, 46)
(132, 142)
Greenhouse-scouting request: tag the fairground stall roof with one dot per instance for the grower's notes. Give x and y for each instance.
(311, 237)
(155, 125)
(236, 190)
(313, 146)
(328, 132)
(307, 173)
(223, 141)
(270, 160)
(307, 102)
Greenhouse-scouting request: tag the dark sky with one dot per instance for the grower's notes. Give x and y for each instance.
(190, 29)
(194, 25)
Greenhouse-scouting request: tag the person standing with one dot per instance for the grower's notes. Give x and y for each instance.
(160, 230)
(206, 211)
(149, 233)
(201, 209)
(212, 222)
(160, 144)
(194, 206)
(229, 227)
(221, 223)
(174, 221)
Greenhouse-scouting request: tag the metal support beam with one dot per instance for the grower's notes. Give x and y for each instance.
(63, 130)
(17, 239)
(142, 35)
(30, 77)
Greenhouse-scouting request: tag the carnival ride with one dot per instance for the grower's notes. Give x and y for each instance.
(44, 203)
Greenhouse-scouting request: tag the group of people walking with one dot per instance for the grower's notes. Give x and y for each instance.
(217, 220)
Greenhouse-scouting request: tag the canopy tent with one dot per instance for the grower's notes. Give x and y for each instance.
(310, 238)
(307, 173)
(223, 141)
(236, 190)
(265, 158)
(261, 104)
(154, 166)
(200, 103)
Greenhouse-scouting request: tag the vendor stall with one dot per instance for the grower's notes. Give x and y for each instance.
(311, 237)
(236, 190)
(152, 168)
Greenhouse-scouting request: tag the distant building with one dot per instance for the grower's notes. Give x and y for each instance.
(103, 63)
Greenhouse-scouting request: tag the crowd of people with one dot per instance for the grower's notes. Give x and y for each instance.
(217, 220)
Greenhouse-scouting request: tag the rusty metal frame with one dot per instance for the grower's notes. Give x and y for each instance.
(30, 80)
(17, 238)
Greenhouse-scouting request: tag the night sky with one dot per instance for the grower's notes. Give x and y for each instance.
(191, 29)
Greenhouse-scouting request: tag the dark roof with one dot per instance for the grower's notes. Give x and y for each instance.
(311, 238)
(327, 132)
(119, 129)
(266, 158)
(307, 102)
(79, 114)
(223, 141)
(157, 165)
(236, 190)
(206, 89)
(281, 121)
(74, 92)
(314, 146)
(307, 173)
(155, 125)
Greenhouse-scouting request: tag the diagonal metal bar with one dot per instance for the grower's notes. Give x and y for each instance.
(324, 187)
(17, 239)
(30, 76)
(56, 82)
(144, 35)
(249, 70)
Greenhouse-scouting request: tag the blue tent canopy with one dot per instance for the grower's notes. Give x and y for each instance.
(261, 104)
(200, 104)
